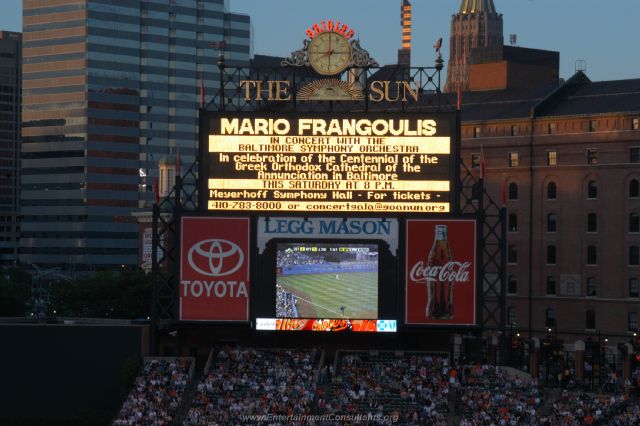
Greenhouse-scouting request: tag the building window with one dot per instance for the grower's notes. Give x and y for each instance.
(551, 286)
(593, 125)
(550, 318)
(511, 315)
(592, 222)
(592, 189)
(635, 124)
(592, 156)
(634, 259)
(591, 255)
(634, 154)
(476, 132)
(513, 159)
(552, 158)
(513, 222)
(590, 320)
(513, 191)
(475, 161)
(515, 130)
(591, 287)
(512, 285)
(634, 288)
(551, 222)
(551, 255)
(634, 222)
(551, 191)
(552, 128)
(512, 255)
(634, 188)
(632, 320)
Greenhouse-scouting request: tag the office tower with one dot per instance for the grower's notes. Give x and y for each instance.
(10, 61)
(477, 24)
(112, 89)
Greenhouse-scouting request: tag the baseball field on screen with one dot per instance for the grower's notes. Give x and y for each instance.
(324, 295)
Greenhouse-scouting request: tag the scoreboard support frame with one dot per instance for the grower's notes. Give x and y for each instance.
(472, 199)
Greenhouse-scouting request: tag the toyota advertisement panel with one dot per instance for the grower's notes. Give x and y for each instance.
(441, 272)
(214, 269)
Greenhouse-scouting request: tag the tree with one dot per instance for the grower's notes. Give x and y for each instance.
(15, 291)
(104, 294)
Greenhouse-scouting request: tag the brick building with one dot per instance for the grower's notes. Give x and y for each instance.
(510, 67)
(569, 157)
(476, 25)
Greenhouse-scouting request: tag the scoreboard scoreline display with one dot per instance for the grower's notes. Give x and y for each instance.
(340, 162)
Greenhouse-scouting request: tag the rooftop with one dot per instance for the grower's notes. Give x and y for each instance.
(476, 6)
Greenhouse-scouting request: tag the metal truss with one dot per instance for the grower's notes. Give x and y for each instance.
(492, 257)
(231, 97)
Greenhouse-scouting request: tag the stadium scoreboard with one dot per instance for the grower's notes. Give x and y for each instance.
(382, 163)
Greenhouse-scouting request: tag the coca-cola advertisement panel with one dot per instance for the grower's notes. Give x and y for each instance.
(441, 272)
(214, 269)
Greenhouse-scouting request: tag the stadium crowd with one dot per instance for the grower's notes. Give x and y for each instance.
(288, 258)
(583, 409)
(490, 396)
(416, 388)
(412, 387)
(286, 303)
(249, 381)
(156, 393)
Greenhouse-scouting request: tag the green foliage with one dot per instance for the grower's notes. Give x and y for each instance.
(104, 295)
(15, 291)
(123, 294)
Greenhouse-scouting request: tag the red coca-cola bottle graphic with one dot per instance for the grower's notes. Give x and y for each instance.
(439, 286)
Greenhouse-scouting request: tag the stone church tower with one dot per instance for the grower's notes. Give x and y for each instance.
(477, 24)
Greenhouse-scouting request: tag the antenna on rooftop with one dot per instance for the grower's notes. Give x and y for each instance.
(581, 65)
(513, 39)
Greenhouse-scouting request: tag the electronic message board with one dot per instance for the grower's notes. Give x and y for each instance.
(381, 162)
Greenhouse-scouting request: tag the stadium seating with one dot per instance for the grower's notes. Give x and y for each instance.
(579, 408)
(244, 381)
(488, 395)
(417, 388)
(157, 392)
(412, 386)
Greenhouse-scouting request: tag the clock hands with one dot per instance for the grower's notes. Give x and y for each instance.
(329, 53)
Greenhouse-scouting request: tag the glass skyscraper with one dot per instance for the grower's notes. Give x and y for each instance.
(111, 88)
(9, 136)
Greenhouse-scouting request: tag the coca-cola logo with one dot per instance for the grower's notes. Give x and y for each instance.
(215, 258)
(449, 272)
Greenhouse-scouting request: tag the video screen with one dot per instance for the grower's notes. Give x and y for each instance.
(318, 280)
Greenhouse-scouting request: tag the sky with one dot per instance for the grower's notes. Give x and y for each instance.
(603, 33)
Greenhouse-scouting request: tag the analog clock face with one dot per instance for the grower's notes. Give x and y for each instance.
(329, 53)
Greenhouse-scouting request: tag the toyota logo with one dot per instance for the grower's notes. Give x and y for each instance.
(215, 258)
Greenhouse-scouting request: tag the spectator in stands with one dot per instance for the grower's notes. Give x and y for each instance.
(411, 386)
(249, 381)
(490, 396)
(156, 394)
